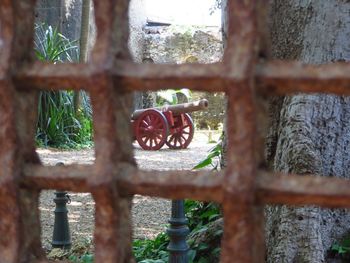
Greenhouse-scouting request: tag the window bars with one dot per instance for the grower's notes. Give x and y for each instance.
(242, 189)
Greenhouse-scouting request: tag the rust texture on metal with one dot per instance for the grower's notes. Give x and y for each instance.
(113, 179)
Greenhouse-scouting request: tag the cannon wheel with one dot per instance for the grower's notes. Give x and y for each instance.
(183, 135)
(151, 130)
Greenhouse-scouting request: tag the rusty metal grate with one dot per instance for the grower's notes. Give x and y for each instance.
(242, 188)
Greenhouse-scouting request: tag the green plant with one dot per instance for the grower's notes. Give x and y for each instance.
(151, 251)
(52, 46)
(201, 216)
(212, 159)
(58, 124)
(342, 248)
(86, 258)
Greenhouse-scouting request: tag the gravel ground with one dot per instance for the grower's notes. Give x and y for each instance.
(150, 215)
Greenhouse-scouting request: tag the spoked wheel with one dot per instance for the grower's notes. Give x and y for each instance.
(151, 130)
(183, 133)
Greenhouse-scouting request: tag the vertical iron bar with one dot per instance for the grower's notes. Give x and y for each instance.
(178, 232)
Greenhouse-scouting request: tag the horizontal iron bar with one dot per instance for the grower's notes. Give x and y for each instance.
(127, 76)
(282, 77)
(166, 184)
(272, 188)
(303, 190)
(202, 77)
(272, 77)
(70, 177)
(44, 76)
(204, 185)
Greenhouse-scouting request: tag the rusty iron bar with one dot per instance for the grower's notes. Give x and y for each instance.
(271, 77)
(271, 188)
(110, 77)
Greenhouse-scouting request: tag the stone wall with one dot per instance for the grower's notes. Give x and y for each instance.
(173, 44)
(178, 44)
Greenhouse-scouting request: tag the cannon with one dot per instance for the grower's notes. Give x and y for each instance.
(170, 125)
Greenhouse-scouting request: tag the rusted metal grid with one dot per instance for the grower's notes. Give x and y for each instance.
(242, 188)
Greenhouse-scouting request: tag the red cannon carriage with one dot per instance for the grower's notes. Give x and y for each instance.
(170, 125)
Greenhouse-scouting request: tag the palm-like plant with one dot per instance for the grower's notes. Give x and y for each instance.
(58, 124)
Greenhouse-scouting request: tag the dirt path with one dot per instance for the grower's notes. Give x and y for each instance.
(150, 215)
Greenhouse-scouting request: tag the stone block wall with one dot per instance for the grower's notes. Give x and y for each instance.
(179, 44)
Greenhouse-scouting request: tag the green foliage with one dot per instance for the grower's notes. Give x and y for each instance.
(212, 159)
(200, 214)
(342, 248)
(214, 154)
(151, 251)
(58, 124)
(86, 258)
(51, 46)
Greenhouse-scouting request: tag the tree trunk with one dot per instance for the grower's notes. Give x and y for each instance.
(310, 134)
(83, 45)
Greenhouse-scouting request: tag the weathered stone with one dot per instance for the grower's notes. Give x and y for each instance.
(179, 44)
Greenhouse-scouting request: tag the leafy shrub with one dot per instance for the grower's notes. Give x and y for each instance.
(201, 217)
(58, 124)
(151, 251)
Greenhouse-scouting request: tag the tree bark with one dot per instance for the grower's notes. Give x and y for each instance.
(83, 45)
(310, 134)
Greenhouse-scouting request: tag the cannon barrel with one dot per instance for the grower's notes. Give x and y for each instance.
(176, 109)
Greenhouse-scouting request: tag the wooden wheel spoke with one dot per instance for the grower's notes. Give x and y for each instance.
(147, 139)
(172, 137)
(158, 122)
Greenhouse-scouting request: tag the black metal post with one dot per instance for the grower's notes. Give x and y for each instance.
(61, 234)
(178, 232)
